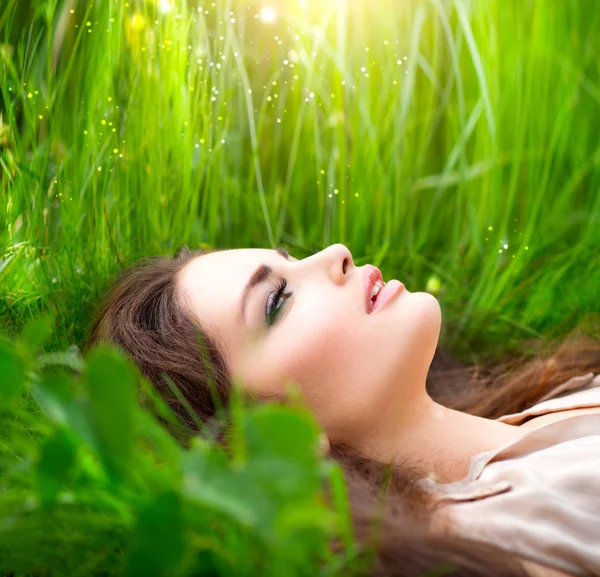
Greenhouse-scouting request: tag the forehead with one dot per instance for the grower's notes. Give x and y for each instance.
(231, 265)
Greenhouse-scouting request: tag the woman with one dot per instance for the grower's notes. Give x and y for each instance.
(364, 366)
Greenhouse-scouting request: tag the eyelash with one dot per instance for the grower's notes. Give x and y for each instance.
(273, 299)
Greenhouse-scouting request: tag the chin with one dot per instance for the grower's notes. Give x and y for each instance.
(434, 310)
(426, 314)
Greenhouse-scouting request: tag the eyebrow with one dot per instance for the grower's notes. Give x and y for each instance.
(261, 274)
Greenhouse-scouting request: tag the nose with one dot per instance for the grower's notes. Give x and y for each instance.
(337, 258)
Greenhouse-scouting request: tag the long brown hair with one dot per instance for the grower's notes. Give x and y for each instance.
(140, 315)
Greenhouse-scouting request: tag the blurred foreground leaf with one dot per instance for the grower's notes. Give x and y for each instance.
(12, 372)
(36, 332)
(110, 382)
(55, 395)
(158, 541)
(209, 481)
(56, 459)
(282, 448)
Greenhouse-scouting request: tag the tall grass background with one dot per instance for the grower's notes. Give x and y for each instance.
(453, 143)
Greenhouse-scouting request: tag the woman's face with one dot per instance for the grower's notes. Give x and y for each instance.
(350, 366)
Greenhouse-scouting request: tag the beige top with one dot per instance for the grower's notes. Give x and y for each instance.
(539, 494)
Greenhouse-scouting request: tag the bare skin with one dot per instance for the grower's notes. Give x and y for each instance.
(362, 375)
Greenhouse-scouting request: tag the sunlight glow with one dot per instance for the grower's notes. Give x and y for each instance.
(165, 6)
(267, 14)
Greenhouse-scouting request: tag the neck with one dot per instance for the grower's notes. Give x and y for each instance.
(438, 441)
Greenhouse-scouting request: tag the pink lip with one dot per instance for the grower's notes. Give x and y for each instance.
(371, 274)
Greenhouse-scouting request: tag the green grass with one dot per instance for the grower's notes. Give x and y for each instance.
(484, 135)
(464, 160)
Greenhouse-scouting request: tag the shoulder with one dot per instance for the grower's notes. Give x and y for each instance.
(577, 393)
(557, 415)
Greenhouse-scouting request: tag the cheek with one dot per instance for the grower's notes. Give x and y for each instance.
(317, 346)
(310, 345)
(324, 355)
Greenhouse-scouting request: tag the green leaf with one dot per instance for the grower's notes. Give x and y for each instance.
(209, 481)
(12, 372)
(56, 459)
(278, 481)
(158, 538)
(35, 332)
(282, 446)
(55, 395)
(110, 382)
